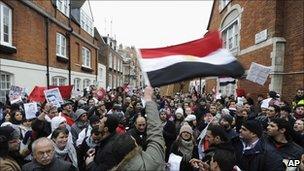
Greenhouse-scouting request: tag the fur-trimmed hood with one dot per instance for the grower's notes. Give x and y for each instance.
(127, 158)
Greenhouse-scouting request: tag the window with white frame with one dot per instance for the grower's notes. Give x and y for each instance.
(230, 31)
(77, 84)
(60, 45)
(110, 81)
(110, 60)
(5, 25)
(86, 83)
(86, 23)
(100, 73)
(63, 6)
(223, 4)
(58, 81)
(114, 61)
(5, 85)
(86, 57)
(118, 64)
(114, 81)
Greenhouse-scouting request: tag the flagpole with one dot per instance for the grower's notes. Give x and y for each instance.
(145, 75)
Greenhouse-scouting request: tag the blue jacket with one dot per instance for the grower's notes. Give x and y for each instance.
(262, 157)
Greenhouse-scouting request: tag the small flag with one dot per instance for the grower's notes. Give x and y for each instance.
(199, 58)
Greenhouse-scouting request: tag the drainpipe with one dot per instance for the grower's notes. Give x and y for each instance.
(47, 51)
(69, 45)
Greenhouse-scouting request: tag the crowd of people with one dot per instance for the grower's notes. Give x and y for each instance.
(144, 130)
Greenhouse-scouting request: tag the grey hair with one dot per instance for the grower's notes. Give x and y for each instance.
(39, 140)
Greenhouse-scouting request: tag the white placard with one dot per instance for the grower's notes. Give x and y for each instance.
(53, 96)
(258, 73)
(30, 110)
(174, 161)
(261, 36)
(15, 94)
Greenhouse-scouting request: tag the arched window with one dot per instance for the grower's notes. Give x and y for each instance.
(58, 81)
(5, 84)
(231, 31)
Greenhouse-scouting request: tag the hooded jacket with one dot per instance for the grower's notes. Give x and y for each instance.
(154, 156)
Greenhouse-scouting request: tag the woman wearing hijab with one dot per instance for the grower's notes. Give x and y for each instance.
(63, 149)
(185, 147)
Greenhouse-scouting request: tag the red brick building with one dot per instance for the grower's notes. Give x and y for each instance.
(46, 43)
(266, 32)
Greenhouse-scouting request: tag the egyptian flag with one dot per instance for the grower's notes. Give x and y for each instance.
(199, 58)
(226, 80)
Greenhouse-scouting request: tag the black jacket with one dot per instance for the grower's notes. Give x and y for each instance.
(262, 157)
(169, 133)
(289, 150)
(55, 165)
(104, 159)
(140, 137)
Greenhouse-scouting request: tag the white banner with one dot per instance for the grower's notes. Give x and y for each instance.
(258, 73)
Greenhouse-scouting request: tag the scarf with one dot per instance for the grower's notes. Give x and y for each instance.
(186, 148)
(90, 142)
(68, 150)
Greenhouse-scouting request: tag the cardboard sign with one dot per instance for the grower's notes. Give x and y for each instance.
(30, 110)
(258, 73)
(53, 96)
(15, 94)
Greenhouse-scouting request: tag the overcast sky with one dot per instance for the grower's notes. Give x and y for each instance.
(149, 24)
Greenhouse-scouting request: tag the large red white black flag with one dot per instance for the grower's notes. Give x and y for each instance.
(199, 58)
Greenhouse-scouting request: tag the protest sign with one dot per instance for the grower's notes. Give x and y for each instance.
(53, 96)
(258, 73)
(15, 94)
(174, 161)
(30, 110)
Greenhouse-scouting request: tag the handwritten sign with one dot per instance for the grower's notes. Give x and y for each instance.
(53, 96)
(258, 73)
(15, 94)
(30, 110)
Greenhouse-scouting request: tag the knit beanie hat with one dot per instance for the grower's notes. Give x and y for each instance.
(190, 118)
(186, 128)
(78, 113)
(179, 110)
(254, 126)
(8, 133)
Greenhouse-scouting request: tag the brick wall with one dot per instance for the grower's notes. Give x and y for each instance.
(281, 19)
(29, 37)
(294, 54)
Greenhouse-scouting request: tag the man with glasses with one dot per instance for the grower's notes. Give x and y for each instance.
(44, 158)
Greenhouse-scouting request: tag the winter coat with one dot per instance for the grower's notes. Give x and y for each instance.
(184, 165)
(262, 157)
(290, 150)
(154, 156)
(55, 165)
(140, 137)
(9, 164)
(104, 158)
(169, 133)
